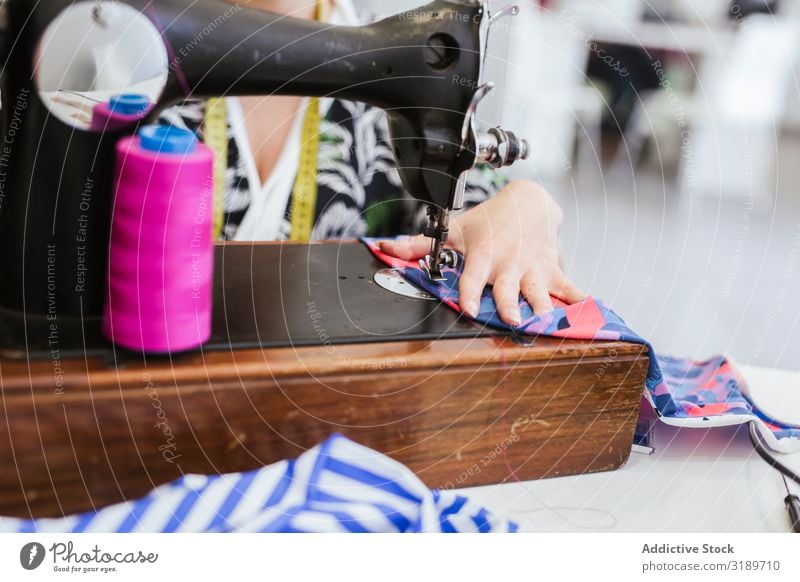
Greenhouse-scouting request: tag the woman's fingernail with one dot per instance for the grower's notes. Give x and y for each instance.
(510, 314)
(472, 309)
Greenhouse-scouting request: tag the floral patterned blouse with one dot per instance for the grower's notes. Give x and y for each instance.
(359, 189)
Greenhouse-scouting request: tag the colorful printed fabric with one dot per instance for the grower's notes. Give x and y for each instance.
(336, 487)
(682, 392)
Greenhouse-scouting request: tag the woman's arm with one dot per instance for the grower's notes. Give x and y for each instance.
(510, 242)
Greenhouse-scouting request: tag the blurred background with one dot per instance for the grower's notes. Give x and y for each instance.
(669, 131)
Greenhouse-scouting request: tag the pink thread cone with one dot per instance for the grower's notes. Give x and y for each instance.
(160, 270)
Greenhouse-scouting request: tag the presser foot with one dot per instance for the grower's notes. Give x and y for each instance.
(433, 269)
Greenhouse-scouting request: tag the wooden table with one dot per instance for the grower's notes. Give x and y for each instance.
(457, 412)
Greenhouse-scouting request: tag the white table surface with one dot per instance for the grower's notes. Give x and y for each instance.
(697, 480)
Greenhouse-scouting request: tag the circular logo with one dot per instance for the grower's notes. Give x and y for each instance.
(31, 555)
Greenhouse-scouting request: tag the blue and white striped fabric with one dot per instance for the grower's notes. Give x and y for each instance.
(339, 486)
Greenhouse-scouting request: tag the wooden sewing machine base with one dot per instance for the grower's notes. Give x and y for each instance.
(478, 408)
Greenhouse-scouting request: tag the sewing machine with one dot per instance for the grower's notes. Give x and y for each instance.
(425, 68)
(452, 391)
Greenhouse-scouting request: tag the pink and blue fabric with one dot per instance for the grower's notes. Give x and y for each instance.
(683, 392)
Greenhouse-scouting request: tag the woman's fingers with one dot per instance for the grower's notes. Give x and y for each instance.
(407, 249)
(535, 291)
(566, 290)
(506, 296)
(473, 280)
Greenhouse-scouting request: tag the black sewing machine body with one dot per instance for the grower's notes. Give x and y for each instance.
(423, 67)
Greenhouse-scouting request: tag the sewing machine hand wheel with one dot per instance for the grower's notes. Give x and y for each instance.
(100, 66)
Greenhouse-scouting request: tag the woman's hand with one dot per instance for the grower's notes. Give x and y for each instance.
(511, 242)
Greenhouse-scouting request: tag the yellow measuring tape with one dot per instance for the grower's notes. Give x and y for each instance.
(216, 137)
(303, 204)
(304, 194)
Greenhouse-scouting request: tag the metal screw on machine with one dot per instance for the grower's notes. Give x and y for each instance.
(500, 148)
(441, 51)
